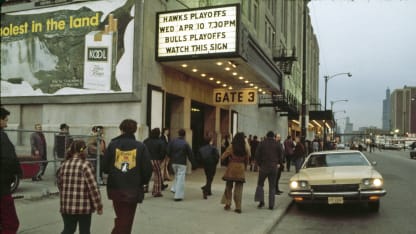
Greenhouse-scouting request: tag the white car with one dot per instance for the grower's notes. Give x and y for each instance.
(337, 177)
(340, 146)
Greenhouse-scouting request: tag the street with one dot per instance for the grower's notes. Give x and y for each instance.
(396, 213)
(38, 209)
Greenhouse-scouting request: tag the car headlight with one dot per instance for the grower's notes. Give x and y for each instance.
(370, 182)
(299, 184)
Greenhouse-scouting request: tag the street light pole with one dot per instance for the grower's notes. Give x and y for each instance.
(333, 102)
(326, 87)
(412, 127)
(304, 50)
(330, 77)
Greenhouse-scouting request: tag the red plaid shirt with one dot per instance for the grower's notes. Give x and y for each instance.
(78, 188)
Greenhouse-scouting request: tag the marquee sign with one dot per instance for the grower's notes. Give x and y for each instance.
(204, 31)
(233, 97)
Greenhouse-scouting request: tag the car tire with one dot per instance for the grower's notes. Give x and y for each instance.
(15, 183)
(374, 206)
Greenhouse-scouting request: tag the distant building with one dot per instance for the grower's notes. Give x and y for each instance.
(386, 112)
(348, 130)
(403, 110)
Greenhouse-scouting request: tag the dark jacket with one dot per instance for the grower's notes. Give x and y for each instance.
(253, 148)
(156, 147)
(62, 143)
(208, 155)
(38, 142)
(127, 163)
(269, 154)
(289, 146)
(299, 151)
(179, 150)
(9, 164)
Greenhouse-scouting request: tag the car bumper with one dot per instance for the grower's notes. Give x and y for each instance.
(352, 196)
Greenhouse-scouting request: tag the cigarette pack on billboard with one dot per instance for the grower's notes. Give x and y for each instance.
(101, 57)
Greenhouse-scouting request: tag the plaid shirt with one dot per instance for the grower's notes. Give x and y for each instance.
(78, 188)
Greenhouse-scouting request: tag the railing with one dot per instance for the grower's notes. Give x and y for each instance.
(56, 144)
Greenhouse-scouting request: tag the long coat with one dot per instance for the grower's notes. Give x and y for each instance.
(236, 166)
(38, 143)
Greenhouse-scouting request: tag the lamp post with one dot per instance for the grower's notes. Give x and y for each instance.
(412, 127)
(326, 86)
(340, 100)
(304, 57)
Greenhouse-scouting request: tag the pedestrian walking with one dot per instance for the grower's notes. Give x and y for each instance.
(62, 141)
(209, 157)
(316, 144)
(298, 154)
(238, 155)
(165, 164)
(269, 158)
(253, 146)
(179, 151)
(289, 147)
(38, 150)
(127, 163)
(78, 190)
(281, 167)
(96, 149)
(10, 167)
(225, 142)
(157, 151)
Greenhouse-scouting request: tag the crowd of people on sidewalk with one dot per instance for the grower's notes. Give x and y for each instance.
(130, 164)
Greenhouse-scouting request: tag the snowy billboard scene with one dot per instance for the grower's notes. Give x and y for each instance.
(83, 48)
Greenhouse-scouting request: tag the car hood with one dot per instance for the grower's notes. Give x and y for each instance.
(331, 175)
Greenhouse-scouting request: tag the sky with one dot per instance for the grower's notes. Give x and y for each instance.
(374, 40)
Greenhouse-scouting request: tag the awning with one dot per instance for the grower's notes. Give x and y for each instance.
(321, 118)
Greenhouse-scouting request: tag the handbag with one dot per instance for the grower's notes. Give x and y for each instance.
(225, 161)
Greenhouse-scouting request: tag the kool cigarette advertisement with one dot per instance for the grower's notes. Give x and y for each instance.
(73, 49)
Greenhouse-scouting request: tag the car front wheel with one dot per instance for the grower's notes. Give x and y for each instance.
(374, 206)
(15, 183)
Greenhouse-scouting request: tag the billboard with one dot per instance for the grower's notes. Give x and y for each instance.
(73, 49)
(197, 32)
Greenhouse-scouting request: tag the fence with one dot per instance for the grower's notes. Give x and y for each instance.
(55, 145)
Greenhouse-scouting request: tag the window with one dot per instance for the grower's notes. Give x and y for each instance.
(256, 14)
(249, 10)
(269, 34)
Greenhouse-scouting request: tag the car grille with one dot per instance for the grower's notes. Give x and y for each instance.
(335, 188)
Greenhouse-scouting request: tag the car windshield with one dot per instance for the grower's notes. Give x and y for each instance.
(334, 160)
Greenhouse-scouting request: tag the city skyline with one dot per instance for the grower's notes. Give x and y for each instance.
(372, 41)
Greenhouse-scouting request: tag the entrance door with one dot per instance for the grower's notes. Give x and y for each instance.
(197, 125)
(174, 114)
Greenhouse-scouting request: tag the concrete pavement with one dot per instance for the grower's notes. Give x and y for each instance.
(38, 209)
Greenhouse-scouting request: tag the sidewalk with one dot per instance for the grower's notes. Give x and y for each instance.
(161, 215)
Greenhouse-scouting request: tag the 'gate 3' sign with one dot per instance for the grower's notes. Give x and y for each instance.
(232, 97)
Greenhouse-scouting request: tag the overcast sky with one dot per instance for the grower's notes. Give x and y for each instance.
(375, 40)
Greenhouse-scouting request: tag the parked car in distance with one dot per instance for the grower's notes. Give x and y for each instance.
(392, 146)
(337, 177)
(340, 146)
(413, 153)
(413, 150)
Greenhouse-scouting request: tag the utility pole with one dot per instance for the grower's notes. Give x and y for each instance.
(303, 120)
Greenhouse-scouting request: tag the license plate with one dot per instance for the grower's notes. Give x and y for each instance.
(335, 200)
